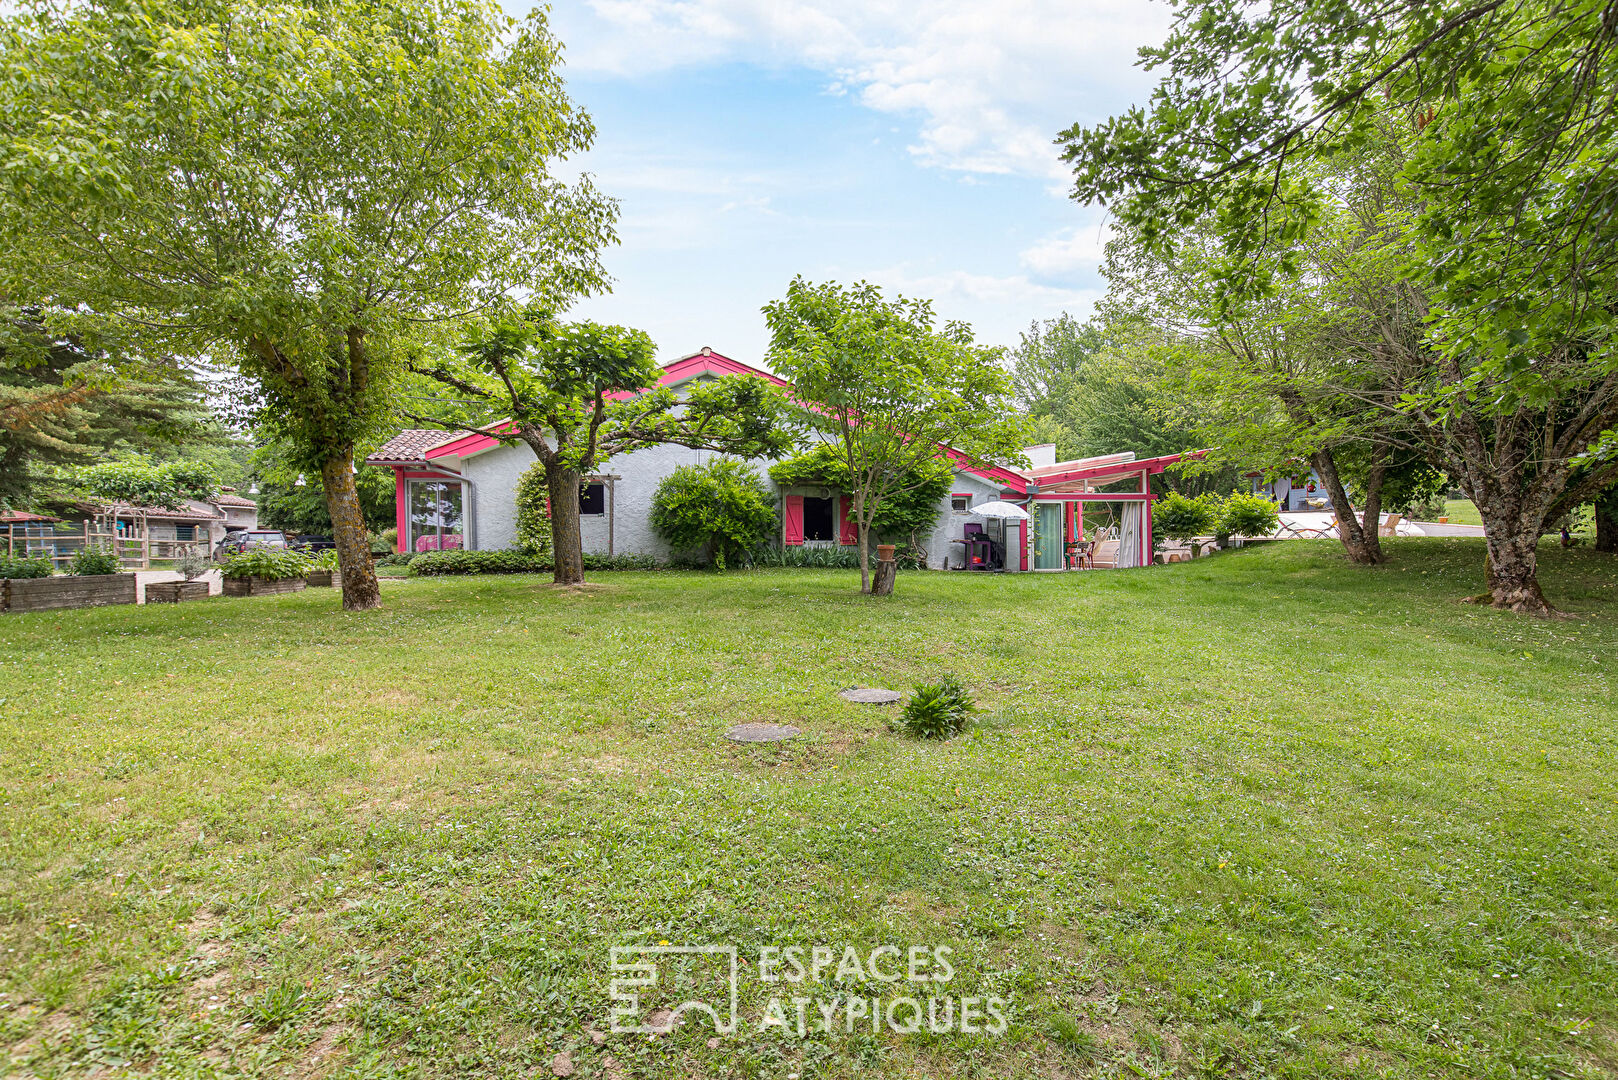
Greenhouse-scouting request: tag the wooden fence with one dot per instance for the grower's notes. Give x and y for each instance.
(58, 541)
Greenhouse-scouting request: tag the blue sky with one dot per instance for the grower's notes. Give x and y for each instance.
(904, 144)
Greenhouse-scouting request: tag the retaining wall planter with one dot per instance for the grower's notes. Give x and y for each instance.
(257, 586)
(68, 591)
(322, 579)
(172, 592)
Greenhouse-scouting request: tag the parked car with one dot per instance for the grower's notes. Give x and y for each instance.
(248, 539)
(313, 544)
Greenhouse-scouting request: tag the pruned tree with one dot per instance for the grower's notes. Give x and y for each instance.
(300, 191)
(879, 380)
(580, 394)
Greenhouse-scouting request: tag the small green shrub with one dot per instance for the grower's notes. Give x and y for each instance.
(326, 560)
(1245, 514)
(384, 542)
(271, 564)
(94, 560)
(1179, 517)
(722, 506)
(397, 558)
(193, 564)
(937, 710)
(24, 568)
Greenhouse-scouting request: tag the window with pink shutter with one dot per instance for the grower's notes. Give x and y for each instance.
(792, 514)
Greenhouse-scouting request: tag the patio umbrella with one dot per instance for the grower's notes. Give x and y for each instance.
(1000, 509)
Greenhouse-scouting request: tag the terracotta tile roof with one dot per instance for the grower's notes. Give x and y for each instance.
(18, 517)
(234, 500)
(412, 444)
(194, 511)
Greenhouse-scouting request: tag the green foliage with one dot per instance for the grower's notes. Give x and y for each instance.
(1243, 513)
(889, 388)
(396, 558)
(292, 496)
(513, 561)
(69, 397)
(325, 560)
(937, 710)
(722, 506)
(24, 568)
(911, 509)
(138, 482)
(1179, 517)
(283, 1002)
(385, 542)
(807, 556)
(271, 564)
(534, 512)
(90, 560)
(306, 191)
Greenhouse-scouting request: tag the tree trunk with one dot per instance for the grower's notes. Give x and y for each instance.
(1606, 512)
(566, 539)
(1359, 540)
(882, 580)
(360, 589)
(1513, 574)
(865, 553)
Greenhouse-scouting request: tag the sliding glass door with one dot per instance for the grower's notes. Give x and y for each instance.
(435, 515)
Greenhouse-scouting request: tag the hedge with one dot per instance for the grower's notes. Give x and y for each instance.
(514, 561)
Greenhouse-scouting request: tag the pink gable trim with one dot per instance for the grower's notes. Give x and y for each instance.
(1115, 471)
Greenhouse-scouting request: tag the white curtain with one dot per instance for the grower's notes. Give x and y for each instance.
(1129, 534)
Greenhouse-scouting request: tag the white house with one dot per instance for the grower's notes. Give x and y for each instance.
(457, 489)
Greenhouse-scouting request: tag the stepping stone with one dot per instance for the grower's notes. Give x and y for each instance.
(861, 695)
(762, 732)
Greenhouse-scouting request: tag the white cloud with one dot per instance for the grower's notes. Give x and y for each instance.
(998, 307)
(990, 83)
(1070, 251)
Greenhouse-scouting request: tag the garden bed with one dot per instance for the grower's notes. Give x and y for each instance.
(172, 592)
(68, 591)
(257, 586)
(324, 579)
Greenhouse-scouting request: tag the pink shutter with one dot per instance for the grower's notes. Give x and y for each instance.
(848, 530)
(792, 511)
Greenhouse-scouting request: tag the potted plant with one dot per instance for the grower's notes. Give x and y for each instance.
(262, 571)
(94, 578)
(193, 565)
(323, 570)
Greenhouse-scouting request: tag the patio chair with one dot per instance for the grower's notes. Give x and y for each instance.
(1390, 527)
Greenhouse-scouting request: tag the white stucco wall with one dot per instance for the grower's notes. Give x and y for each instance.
(633, 480)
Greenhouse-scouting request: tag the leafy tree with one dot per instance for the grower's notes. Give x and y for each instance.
(302, 191)
(722, 506)
(65, 402)
(891, 390)
(141, 484)
(1504, 240)
(1050, 358)
(579, 394)
(908, 512)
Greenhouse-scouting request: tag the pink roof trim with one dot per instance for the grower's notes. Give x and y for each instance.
(1149, 466)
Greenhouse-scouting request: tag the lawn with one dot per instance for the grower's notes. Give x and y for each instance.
(1462, 512)
(1261, 814)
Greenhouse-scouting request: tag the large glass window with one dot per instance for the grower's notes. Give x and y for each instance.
(592, 499)
(435, 515)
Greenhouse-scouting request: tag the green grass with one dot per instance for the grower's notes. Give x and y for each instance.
(1260, 814)
(1462, 512)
